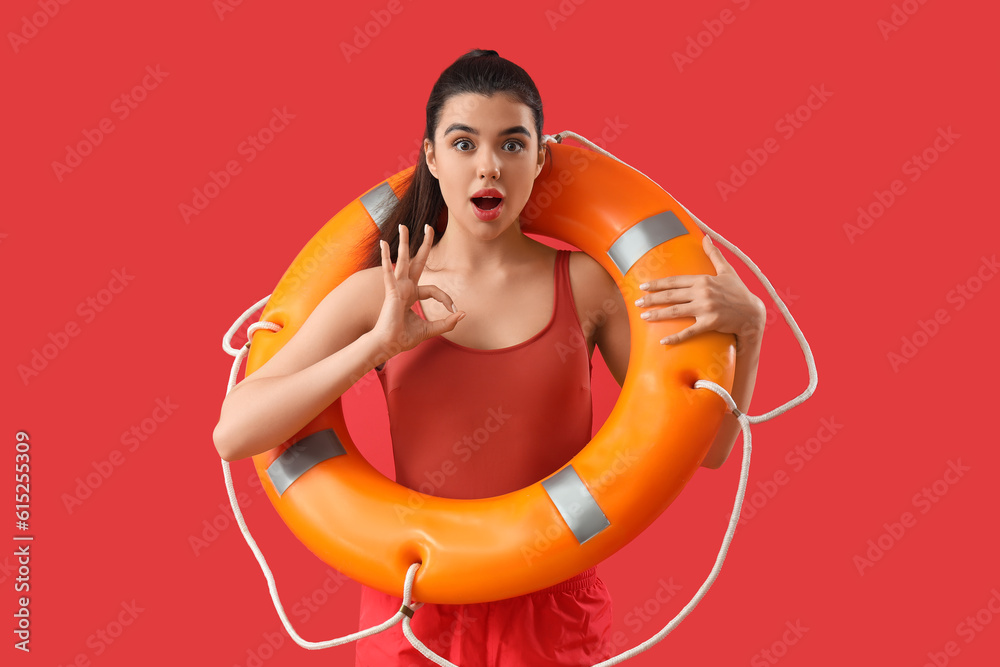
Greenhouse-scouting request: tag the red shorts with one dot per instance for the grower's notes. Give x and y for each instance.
(566, 624)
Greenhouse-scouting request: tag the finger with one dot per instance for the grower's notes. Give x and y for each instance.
(388, 278)
(417, 267)
(668, 282)
(675, 295)
(715, 255)
(682, 335)
(429, 291)
(437, 327)
(669, 313)
(403, 253)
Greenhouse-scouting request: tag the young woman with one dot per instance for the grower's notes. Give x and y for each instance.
(504, 399)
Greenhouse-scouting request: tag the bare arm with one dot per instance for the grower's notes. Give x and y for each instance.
(719, 303)
(747, 358)
(260, 413)
(344, 337)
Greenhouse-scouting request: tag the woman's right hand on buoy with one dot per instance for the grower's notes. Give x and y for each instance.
(398, 327)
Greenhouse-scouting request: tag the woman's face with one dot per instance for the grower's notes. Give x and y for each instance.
(484, 143)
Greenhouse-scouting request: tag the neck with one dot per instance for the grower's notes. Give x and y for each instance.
(465, 253)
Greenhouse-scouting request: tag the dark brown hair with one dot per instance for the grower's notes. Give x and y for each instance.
(480, 71)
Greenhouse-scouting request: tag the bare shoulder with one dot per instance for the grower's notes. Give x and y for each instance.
(605, 315)
(599, 303)
(591, 281)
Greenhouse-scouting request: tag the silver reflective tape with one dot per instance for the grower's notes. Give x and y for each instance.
(379, 202)
(578, 508)
(302, 456)
(642, 237)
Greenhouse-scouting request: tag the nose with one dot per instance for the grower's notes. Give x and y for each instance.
(489, 166)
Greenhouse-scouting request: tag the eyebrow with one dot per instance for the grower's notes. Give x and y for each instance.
(517, 129)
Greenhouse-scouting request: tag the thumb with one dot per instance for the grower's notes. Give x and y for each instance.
(438, 327)
(714, 254)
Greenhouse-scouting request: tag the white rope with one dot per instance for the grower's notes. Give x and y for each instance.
(234, 503)
(408, 631)
(807, 352)
(406, 611)
(227, 339)
(669, 627)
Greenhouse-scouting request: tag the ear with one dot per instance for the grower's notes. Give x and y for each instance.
(430, 158)
(541, 160)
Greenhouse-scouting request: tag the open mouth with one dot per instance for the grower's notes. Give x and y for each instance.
(486, 203)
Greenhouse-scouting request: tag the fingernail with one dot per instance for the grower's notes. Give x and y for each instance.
(427, 229)
(645, 315)
(638, 301)
(454, 309)
(644, 286)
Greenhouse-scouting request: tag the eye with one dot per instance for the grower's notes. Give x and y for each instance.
(517, 145)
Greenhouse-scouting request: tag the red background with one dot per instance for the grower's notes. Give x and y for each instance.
(354, 121)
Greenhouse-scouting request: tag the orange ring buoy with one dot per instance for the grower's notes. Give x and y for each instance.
(365, 525)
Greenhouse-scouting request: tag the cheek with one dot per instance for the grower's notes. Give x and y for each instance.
(453, 195)
(526, 182)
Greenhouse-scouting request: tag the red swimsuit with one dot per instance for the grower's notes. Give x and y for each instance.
(472, 423)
